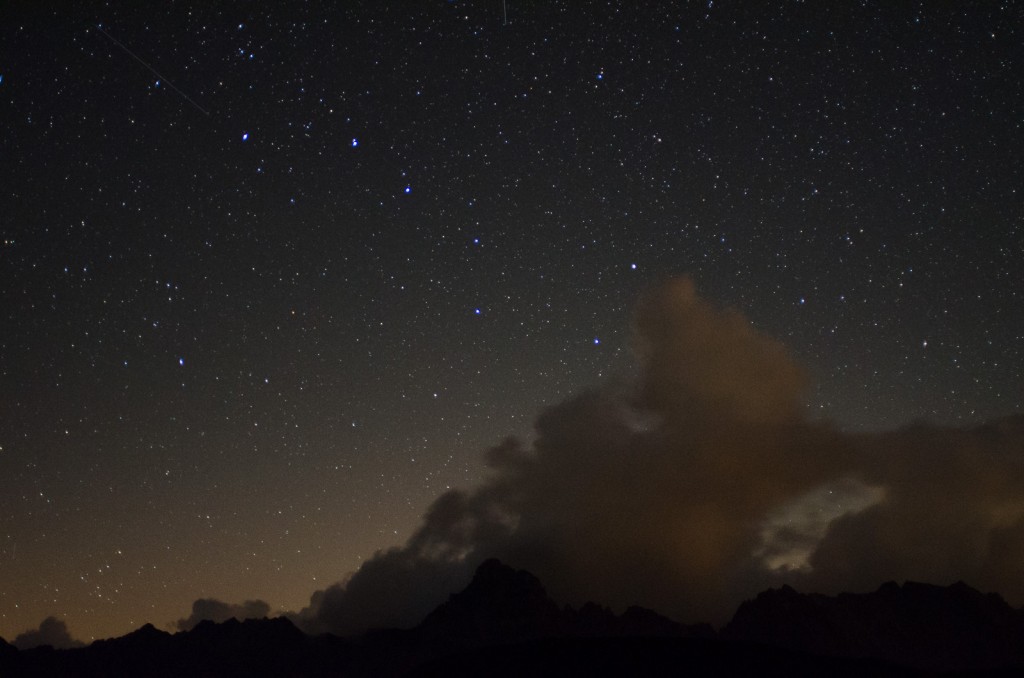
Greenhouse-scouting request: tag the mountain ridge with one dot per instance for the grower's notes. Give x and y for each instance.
(917, 624)
(504, 623)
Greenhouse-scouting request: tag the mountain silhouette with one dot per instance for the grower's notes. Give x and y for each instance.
(921, 625)
(504, 624)
(502, 605)
(254, 647)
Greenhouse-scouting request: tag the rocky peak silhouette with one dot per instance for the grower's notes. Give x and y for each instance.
(920, 625)
(499, 604)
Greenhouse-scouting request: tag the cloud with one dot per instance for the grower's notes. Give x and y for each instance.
(954, 509)
(792, 533)
(218, 611)
(702, 483)
(51, 631)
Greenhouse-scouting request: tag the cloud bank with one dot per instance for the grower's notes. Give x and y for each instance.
(703, 483)
(51, 631)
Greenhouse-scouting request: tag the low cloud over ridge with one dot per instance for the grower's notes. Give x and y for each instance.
(703, 483)
(52, 631)
(211, 609)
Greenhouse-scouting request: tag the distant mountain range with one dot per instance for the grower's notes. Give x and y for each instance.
(504, 624)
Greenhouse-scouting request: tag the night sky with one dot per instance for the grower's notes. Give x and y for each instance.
(273, 279)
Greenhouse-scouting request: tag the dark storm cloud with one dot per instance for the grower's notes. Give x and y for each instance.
(51, 631)
(218, 611)
(703, 483)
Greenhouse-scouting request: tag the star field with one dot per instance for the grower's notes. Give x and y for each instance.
(271, 281)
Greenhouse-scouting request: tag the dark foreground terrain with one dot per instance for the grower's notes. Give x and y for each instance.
(504, 624)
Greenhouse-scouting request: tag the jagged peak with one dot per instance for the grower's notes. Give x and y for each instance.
(493, 572)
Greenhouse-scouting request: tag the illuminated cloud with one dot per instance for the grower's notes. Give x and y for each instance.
(792, 533)
(703, 483)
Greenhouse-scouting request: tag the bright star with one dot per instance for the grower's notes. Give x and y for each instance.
(245, 136)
